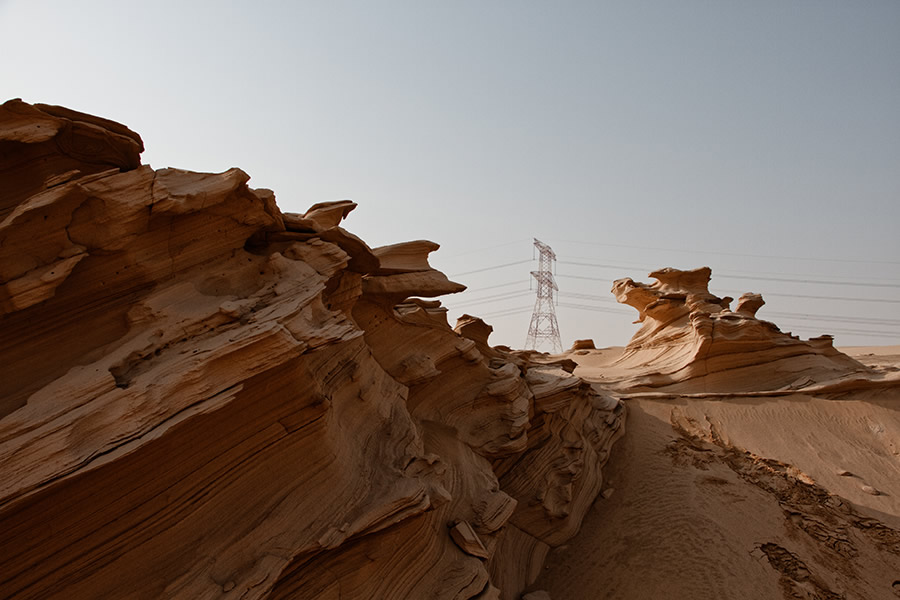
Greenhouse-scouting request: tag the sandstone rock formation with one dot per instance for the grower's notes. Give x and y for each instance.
(586, 344)
(203, 397)
(690, 339)
(755, 465)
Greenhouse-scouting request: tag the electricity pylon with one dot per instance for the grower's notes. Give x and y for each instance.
(543, 319)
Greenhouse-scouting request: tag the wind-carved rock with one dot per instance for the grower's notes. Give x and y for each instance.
(690, 338)
(748, 304)
(204, 397)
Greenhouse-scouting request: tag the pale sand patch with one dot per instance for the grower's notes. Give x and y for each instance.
(870, 350)
(886, 357)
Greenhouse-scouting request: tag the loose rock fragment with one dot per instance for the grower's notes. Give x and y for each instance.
(468, 541)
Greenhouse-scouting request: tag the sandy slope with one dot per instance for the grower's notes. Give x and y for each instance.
(744, 498)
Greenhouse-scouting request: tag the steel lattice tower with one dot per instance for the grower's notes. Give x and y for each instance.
(543, 319)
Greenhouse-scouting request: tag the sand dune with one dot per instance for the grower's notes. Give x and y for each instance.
(705, 491)
(755, 490)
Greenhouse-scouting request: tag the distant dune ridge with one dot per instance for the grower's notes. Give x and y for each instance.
(204, 397)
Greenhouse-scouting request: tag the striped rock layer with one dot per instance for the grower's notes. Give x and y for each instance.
(204, 397)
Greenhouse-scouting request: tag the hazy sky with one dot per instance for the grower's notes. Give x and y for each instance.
(761, 139)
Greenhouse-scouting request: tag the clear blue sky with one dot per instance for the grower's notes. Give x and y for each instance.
(759, 138)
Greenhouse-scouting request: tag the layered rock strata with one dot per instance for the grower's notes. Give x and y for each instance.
(691, 340)
(205, 397)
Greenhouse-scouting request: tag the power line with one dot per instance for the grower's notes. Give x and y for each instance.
(602, 266)
(778, 315)
(883, 300)
(636, 266)
(823, 318)
(788, 315)
(506, 312)
(719, 252)
(518, 262)
(884, 279)
(786, 326)
(837, 319)
(839, 330)
(585, 278)
(482, 249)
(755, 278)
(588, 297)
(815, 281)
(783, 326)
(806, 316)
(469, 299)
(494, 298)
(811, 319)
(718, 274)
(594, 308)
(889, 301)
(473, 289)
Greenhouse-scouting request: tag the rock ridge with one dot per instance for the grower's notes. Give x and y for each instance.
(691, 340)
(205, 397)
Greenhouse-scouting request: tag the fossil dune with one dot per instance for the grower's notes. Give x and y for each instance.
(755, 465)
(205, 397)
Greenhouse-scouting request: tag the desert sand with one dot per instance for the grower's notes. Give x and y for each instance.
(203, 396)
(753, 494)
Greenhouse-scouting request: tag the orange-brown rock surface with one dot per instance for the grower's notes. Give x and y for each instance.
(203, 397)
(691, 340)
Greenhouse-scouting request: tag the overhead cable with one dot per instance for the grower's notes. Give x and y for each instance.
(889, 301)
(518, 262)
(755, 278)
(719, 252)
